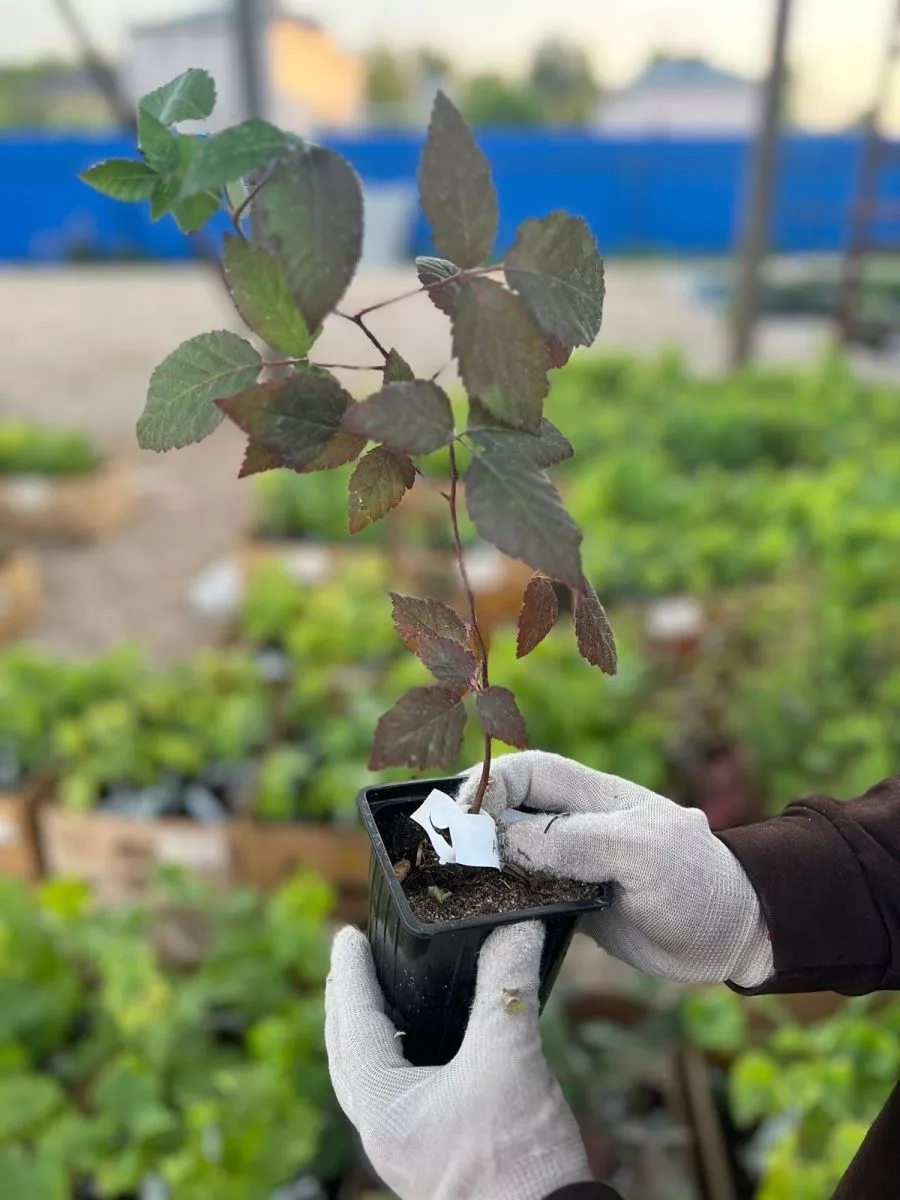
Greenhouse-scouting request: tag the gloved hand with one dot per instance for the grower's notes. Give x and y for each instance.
(683, 907)
(490, 1125)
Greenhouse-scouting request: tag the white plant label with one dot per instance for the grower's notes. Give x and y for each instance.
(473, 836)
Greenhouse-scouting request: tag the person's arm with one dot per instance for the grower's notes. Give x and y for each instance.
(827, 875)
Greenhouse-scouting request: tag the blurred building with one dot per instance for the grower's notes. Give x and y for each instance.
(683, 97)
(312, 82)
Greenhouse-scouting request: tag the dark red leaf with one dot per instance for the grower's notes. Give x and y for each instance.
(540, 612)
(447, 660)
(256, 460)
(397, 369)
(414, 418)
(423, 729)
(500, 716)
(593, 631)
(558, 354)
(415, 618)
(431, 271)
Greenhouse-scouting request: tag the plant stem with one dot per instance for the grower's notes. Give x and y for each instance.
(238, 212)
(357, 319)
(470, 598)
(459, 277)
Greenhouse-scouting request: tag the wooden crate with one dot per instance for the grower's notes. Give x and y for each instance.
(76, 508)
(119, 857)
(19, 851)
(20, 594)
(267, 854)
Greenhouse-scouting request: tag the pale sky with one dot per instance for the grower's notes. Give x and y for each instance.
(835, 50)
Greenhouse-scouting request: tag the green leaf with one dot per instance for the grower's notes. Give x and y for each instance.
(26, 1101)
(545, 448)
(456, 189)
(414, 418)
(540, 612)
(193, 213)
(423, 729)
(500, 716)
(166, 193)
(514, 506)
(378, 484)
(397, 369)
(556, 268)
(593, 631)
(501, 354)
(179, 408)
(234, 152)
(294, 419)
(157, 143)
(447, 660)
(262, 297)
(417, 617)
(310, 215)
(122, 178)
(191, 96)
(433, 270)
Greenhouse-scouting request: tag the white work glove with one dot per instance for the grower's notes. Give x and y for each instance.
(682, 905)
(490, 1125)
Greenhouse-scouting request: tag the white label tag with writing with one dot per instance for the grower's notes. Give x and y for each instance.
(473, 836)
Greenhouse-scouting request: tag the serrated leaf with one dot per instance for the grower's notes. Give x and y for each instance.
(343, 448)
(229, 155)
(122, 178)
(540, 612)
(557, 354)
(262, 297)
(378, 484)
(433, 270)
(157, 143)
(456, 188)
(310, 215)
(397, 369)
(294, 418)
(545, 448)
(423, 729)
(501, 353)
(593, 631)
(414, 418)
(514, 506)
(165, 194)
(191, 96)
(256, 460)
(180, 408)
(556, 268)
(417, 617)
(500, 716)
(447, 660)
(193, 213)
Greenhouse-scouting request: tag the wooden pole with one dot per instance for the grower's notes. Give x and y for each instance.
(756, 227)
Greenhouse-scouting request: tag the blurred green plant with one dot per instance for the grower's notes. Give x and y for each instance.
(122, 1056)
(29, 449)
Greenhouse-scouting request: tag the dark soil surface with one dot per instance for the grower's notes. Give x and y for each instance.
(450, 893)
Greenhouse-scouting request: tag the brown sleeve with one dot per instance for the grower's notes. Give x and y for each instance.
(585, 1191)
(828, 878)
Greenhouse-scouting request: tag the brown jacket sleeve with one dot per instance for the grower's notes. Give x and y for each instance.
(828, 878)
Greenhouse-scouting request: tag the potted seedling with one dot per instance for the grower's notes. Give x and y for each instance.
(297, 213)
(57, 484)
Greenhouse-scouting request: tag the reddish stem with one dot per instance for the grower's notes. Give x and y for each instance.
(470, 597)
(459, 277)
(357, 319)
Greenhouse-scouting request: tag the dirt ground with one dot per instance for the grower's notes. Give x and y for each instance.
(80, 344)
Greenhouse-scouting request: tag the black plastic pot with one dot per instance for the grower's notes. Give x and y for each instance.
(427, 972)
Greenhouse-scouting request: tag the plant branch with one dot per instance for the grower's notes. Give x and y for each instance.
(459, 277)
(357, 319)
(238, 213)
(473, 613)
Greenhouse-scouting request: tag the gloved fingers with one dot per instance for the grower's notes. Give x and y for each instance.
(569, 846)
(361, 1042)
(505, 1008)
(550, 783)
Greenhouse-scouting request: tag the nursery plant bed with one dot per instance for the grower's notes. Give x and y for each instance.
(267, 853)
(19, 851)
(67, 508)
(20, 594)
(428, 968)
(118, 857)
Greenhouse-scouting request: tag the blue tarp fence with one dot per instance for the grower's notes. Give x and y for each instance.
(640, 196)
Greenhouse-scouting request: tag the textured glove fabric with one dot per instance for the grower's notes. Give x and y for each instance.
(683, 907)
(490, 1125)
